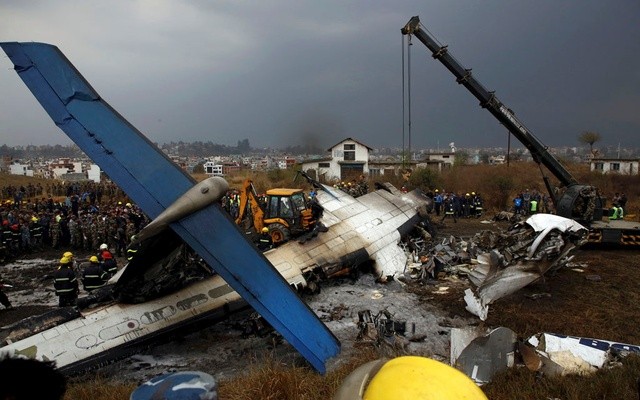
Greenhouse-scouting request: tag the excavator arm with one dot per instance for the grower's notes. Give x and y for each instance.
(579, 202)
(249, 196)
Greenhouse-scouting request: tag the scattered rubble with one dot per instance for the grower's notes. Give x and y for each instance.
(498, 264)
(481, 353)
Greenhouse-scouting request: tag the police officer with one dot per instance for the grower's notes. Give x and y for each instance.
(437, 201)
(66, 283)
(93, 276)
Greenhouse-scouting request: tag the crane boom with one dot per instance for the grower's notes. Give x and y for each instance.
(489, 101)
(580, 202)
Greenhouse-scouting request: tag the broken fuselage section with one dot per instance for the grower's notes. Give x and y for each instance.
(166, 286)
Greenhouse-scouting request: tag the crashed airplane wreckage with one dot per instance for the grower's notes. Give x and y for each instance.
(167, 286)
(142, 171)
(193, 261)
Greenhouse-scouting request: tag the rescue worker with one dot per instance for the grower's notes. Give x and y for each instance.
(4, 300)
(517, 204)
(132, 249)
(408, 377)
(620, 212)
(614, 212)
(265, 242)
(93, 275)
(466, 205)
(533, 206)
(449, 208)
(70, 256)
(622, 202)
(437, 201)
(477, 204)
(66, 284)
(109, 263)
(314, 205)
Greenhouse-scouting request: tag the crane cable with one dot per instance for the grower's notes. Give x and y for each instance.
(406, 100)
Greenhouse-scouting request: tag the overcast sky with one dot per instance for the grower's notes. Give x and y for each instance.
(283, 72)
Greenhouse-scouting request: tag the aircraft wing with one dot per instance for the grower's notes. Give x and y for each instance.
(154, 182)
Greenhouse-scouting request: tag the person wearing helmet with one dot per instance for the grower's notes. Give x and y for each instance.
(132, 249)
(109, 262)
(93, 276)
(408, 377)
(69, 255)
(265, 242)
(466, 205)
(66, 284)
(438, 201)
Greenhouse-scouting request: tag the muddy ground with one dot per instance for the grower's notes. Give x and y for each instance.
(598, 297)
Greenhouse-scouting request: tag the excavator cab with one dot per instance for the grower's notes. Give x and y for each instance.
(287, 214)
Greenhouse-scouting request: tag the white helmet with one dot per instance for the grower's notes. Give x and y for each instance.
(104, 246)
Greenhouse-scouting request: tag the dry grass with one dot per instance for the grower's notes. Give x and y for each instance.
(500, 183)
(19, 180)
(98, 388)
(269, 379)
(614, 383)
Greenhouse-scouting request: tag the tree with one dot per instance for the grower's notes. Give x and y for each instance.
(198, 169)
(588, 137)
(502, 185)
(425, 179)
(461, 158)
(243, 146)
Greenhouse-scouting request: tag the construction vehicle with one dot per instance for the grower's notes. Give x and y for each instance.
(284, 211)
(580, 202)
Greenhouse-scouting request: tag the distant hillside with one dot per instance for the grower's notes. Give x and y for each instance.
(181, 149)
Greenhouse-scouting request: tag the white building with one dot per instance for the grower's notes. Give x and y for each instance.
(20, 169)
(349, 159)
(615, 166)
(93, 173)
(213, 169)
(437, 161)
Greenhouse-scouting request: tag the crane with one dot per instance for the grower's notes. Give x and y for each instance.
(579, 202)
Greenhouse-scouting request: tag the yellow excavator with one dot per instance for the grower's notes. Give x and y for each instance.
(284, 211)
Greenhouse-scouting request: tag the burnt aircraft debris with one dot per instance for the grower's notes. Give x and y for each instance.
(498, 263)
(379, 327)
(481, 353)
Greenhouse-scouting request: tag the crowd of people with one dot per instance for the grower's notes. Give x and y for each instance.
(532, 202)
(85, 217)
(455, 205)
(93, 273)
(618, 206)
